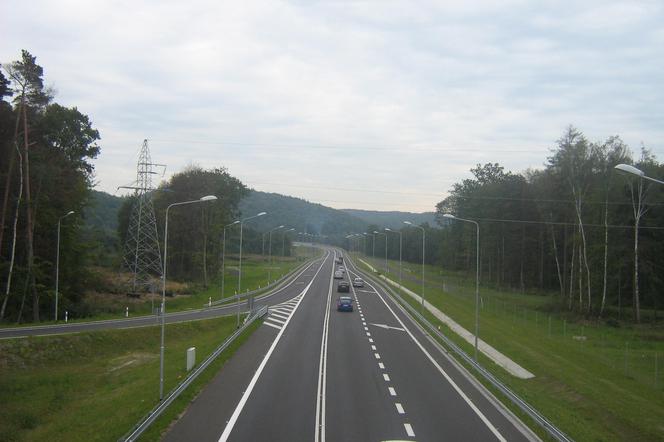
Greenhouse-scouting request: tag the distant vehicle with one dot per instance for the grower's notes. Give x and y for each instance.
(339, 261)
(338, 275)
(345, 304)
(343, 287)
(357, 282)
(341, 269)
(341, 258)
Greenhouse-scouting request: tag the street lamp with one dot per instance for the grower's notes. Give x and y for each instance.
(634, 171)
(57, 264)
(373, 245)
(399, 233)
(269, 270)
(385, 235)
(239, 276)
(163, 288)
(283, 241)
(423, 241)
(477, 275)
(223, 257)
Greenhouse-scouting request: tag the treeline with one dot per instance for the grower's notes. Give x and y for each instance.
(578, 228)
(196, 232)
(45, 161)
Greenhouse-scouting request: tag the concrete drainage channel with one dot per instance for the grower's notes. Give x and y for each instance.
(539, 419)
(148, 419)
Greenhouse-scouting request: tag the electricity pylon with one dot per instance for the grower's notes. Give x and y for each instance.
(141, 252)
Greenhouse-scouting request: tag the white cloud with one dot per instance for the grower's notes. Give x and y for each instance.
(415, 94)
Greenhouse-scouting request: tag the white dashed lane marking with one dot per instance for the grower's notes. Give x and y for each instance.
(392, 391)
(409, 430)
(400, 409)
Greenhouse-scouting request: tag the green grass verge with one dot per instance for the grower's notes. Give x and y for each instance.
(600, 388)
(96, 386)
(255, 273)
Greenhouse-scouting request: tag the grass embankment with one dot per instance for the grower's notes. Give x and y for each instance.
(255, 273)
(595, 382)
(96, 386)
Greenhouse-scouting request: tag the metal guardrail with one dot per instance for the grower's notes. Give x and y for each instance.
(542, 421)
(260, 289)
(148, 419)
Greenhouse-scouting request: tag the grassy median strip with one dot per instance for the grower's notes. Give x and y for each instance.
(593, 381)
(96, 386)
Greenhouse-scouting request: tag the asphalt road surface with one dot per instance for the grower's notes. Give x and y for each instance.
(301, 278)
(311, 373)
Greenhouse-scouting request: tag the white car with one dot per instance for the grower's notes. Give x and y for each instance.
(357, 282)
(338, 275)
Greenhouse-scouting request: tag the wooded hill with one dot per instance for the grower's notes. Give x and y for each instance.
(392, 219)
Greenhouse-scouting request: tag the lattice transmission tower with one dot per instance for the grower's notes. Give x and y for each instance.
(142, 256)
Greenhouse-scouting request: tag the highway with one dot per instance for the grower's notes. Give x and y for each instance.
(279, 294)
(310, 373)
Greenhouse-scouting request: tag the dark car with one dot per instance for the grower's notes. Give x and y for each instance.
(343, 286)
(345, 304)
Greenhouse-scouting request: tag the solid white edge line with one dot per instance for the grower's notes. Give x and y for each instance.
(322, 365)
(470, 403)
(238, 409)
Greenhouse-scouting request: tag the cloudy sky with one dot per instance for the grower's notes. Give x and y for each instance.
(376, 105)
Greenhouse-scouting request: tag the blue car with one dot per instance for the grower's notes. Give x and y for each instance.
(345, 304)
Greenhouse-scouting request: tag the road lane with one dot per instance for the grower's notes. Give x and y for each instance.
(281, 294)
(282, 404)
(363, 383)
(437, 397)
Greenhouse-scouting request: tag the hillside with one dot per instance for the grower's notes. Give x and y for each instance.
(298, 213)
(102, 215)
(394, 219)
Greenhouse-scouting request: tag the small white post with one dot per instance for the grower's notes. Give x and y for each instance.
(66, 316)
(191, 358)
(126, 312)
(210, 301)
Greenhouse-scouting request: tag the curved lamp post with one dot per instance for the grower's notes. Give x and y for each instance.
(163, 288)
(223, 257)
(387, 229)
(477, 275)
(385, 235)
(269, 270)
(283, 241)
(239, 276)
(423, 242)
(634, 171)
(57, 264)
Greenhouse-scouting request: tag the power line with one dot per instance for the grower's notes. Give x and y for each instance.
(556, 223)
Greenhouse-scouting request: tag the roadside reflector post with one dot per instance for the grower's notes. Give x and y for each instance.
(210, 301)
(191, 358)
(66, 316)
(126, 312)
